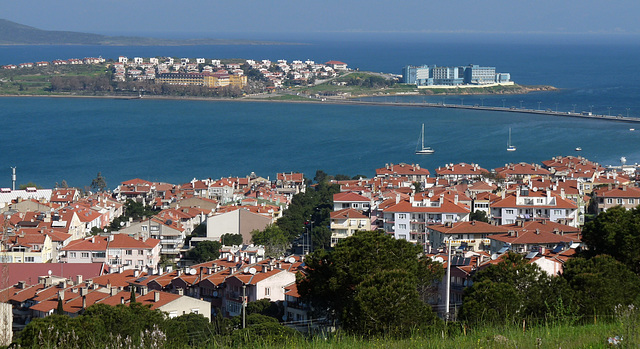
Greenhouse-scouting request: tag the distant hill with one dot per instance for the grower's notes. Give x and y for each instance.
(12, 33)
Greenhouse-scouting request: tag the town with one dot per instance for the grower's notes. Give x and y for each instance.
(77, 248)
(210, 73)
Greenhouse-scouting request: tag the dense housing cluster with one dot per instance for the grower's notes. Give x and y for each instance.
(82, 248)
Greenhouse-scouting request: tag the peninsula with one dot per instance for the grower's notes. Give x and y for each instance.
(207, 78)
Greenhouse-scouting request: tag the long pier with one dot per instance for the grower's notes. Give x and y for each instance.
(486, 108)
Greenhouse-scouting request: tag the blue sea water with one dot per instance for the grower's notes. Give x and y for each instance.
(51, 139)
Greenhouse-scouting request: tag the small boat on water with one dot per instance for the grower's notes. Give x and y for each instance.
(632, 129)
(578, 149)
(420, 148)
(510, 147)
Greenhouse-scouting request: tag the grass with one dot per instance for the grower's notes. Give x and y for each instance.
(559, 336)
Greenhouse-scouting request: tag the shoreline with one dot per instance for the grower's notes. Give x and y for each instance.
(350, 102)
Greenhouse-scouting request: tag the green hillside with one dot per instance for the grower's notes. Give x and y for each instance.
(12, 33)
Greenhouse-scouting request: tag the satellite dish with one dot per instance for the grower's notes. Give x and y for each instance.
(439, 259)
(245, 270)
(291, 260)
(49, 272)
(192, 271)
(252, 271)
(535, 189)
(494, 256)
(623, 160)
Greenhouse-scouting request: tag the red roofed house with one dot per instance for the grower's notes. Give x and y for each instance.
(609, 196)
(413, 172)
(345, 223)
(337, 65)
(355, 201)
(472, 235)
(407, 219)
(267, 282)
(535, 236)
(461, 171)
(533, 204)
(115, 250)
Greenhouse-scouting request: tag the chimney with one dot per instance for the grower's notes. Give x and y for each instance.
(455, 199)
(181, 291)
(84, 302)
(156, 296)
(144, 290)
(397, 199)
(201, 272)
(265, 268)
(121, 300)
(113, 291)
(537, 231)
(78, 279)
(136, 273)
(61, 295)
(84, 291)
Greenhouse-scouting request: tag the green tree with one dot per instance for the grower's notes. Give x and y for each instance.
(272, 238)
(615, 232)
(417, 187)
(479, 215)
(205, 251)
(601, 283)
(342, 284)
(132, 296)
(29, 185)
(99, 183)
(512, 290)
(231, 239)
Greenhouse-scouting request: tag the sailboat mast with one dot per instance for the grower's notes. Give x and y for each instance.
(422, 136)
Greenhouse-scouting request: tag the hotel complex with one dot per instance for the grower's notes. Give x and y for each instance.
(472, 74)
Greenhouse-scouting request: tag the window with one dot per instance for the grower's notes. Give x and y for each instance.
(144, 228)
(141, 252)
(402, 216)
(29, 259)
(609, 201)
(72, 255)
(129, 252)
(267, 291)
(195, 311)
(557, 212)
(631, 201)
(85, 255)
(619, 201)
(508, 211)
(402, 226)
(128, 262)
(140, 262)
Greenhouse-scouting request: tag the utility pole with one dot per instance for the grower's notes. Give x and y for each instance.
(244, 306)
(448, 288)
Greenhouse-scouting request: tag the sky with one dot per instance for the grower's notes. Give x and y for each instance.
(224, 18)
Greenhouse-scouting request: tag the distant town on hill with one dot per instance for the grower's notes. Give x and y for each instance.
(12, 33)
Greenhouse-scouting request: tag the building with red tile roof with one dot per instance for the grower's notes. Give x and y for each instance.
(461, 171)
(619, 195)
(532, 204)
(346, 222)
(467, 236)
(413, 172)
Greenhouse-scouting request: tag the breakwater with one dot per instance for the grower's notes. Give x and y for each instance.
(490, 108)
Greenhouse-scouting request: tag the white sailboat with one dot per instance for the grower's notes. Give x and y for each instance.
(421, 149)
(510, 147)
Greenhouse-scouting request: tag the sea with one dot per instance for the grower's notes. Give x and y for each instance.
(53, 139)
